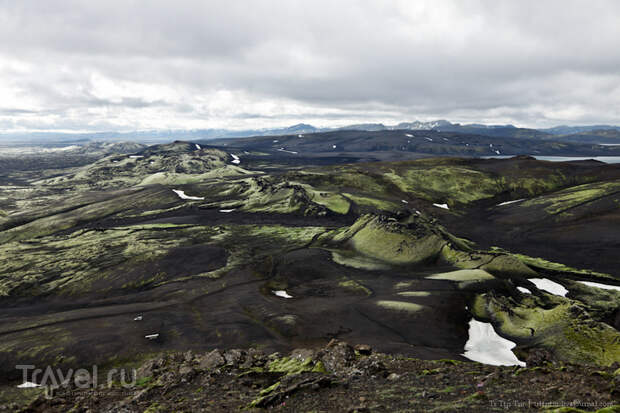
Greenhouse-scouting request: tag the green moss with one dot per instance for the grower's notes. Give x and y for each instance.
(464, 259)
(379, 204)
(610, 409)
(319, 367)
(404, 284)
(414, 293)
(161, 164)
(144, 381)
(289, 366)
(554, 266)
(522, 370)
(21, 397)
(445, 183)
(564, 328)
(333, 201)
(353, 260)
(355, 286)
(478, 396)
(138, 284)
(462, 275)
(173, 178)
(348, 177)
(154, 408)
(561, 201)
(269, 389)
(73, 264)
(400, 306)
(263, 394)
(508, 266)
(602, 374)
(274, 195)
(451, 362)
(393, 243)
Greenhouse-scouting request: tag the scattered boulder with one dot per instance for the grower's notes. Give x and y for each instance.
(372, 366)
(212, 360)
(337, 356)
(538, 357)
(253, 358)
(303, 354)
(187, 373)
(363, 349)
(189, 356)
(234, 357)
(393, 377)
(353, 382)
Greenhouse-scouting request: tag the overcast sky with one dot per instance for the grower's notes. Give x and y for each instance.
(128, 65)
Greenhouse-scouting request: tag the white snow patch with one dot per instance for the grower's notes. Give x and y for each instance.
(138, 318)
(428, 139)
(282, 293)
(418, 212)
(197, 146)
(182, 195)
(511, 202)
(284, 150)
(486, 346)
(524, 290)
(275, 141)
(333, 146)
(444, 206)
(403, 201)
(498, 152)
(599, 285)
(66, 148)
(549, 286)
(227, 210)
(408, 135)
(152, 336)
(136, 156)
(236, 160)
(28, 385)
(300, 136)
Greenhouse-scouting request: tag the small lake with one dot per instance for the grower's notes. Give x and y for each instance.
(606, 159)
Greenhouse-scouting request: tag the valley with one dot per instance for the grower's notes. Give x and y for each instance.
(178, 247)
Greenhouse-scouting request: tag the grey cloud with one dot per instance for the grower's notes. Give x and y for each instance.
(529, 62)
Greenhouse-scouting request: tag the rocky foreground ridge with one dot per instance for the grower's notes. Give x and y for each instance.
(343, 378)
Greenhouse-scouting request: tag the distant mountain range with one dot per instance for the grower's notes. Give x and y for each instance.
(578, 134)
(570, 130)
(400, 144)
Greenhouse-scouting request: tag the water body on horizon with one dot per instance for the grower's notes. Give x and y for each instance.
(606, 159)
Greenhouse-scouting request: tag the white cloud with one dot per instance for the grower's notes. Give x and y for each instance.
(193, 64)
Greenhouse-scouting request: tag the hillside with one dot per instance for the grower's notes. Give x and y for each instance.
(404, 144)
(598, 136)
(180, 246)
(339, 377)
